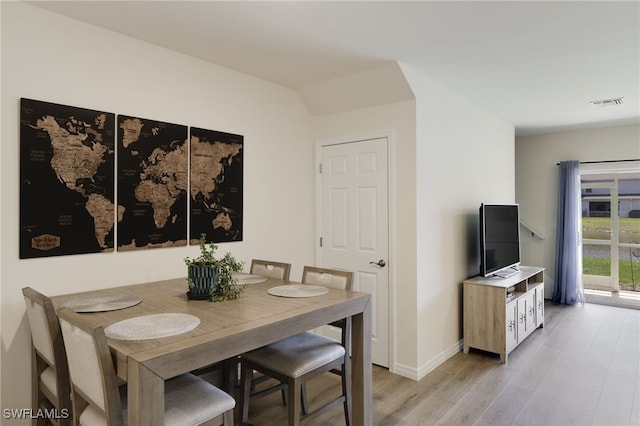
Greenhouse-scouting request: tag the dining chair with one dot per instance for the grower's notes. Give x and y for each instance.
(297, 359)
(229, 367)
(270, 269)
(97, 399)
(50, 388)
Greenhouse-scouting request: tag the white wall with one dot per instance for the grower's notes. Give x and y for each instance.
(53, 58)
(398, 121)
(464, 156)
(381, 85)
(537, 180)
(448, 157)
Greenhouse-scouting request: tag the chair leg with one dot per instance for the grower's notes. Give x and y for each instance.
(35, 384)
(294, 393)
(305, 401)
(245, 391)
(346, 390)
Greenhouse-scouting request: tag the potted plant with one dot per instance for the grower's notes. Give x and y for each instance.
(211, 278)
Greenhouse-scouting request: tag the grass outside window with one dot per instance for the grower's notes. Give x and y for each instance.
(629, 272)
(599, 228)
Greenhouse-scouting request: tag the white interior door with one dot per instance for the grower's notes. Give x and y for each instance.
(355, 225)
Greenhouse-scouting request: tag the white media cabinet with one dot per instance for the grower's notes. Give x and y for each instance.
(498, 313)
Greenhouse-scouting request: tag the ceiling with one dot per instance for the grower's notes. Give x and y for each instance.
(536, 64)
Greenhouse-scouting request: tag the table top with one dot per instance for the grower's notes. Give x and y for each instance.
(226, 328)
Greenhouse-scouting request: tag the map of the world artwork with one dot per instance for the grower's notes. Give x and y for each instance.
(172, 185)
(216, 185)
(152, 183)
(66, 180)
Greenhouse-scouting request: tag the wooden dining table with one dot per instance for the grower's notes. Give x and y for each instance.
(226, 329)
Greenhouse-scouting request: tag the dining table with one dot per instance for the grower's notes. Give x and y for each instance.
(225, 330)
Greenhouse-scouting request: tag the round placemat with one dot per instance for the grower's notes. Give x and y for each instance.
(298, 290)
(244, 278)
(102, 302)
(152, 326)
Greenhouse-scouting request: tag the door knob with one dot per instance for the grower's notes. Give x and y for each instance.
(381, 263)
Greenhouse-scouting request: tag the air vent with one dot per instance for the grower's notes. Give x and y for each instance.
(605, 103)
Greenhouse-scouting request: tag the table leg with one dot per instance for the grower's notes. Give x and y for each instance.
(145, 395)
(361, 368)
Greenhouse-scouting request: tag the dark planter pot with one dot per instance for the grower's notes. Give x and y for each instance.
(201, 281)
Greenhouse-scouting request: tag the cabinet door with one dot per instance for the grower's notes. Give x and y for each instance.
(530, 302)
(511, 324)
(522, 318)
(539, 305)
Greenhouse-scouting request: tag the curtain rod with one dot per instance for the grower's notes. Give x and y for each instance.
(606, 161)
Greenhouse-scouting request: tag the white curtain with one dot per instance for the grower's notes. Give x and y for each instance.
(568, 272)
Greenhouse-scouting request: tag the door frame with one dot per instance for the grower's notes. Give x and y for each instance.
(391, 207)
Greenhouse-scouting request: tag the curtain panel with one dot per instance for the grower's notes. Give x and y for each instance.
(568, 268)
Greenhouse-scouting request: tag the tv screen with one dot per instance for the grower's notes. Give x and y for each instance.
(499, 239)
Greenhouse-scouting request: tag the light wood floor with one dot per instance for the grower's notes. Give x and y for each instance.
(582, 368)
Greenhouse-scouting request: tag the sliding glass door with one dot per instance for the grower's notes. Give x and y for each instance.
(598, 242)
(611, 231)
(629, 232)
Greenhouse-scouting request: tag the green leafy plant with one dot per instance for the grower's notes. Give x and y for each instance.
(223, 286)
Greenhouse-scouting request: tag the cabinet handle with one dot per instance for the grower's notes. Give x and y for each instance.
(522, 317)
(511, 325)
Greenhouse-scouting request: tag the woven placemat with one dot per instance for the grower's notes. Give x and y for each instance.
(102, 302)
(298, 290)
(152, 326)
(244, 278)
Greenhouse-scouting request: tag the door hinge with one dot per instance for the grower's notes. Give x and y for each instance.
(320, 241)
(320, 168)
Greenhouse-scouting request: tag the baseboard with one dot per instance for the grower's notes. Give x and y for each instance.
(405, 371)
(418, 373)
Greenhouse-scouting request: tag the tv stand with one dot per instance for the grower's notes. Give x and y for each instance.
(499, 313)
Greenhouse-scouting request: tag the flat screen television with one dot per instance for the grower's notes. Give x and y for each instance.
(499, 239)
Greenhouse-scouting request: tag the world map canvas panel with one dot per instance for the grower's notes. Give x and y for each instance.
(67, 180)
(152, 183)
(216, 161)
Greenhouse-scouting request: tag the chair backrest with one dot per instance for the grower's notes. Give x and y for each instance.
(334, 278)
(93, 377)
(48, 346)
(44, 325)
(270, 269)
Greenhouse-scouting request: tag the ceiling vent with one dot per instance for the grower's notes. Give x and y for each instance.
(604, 103)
